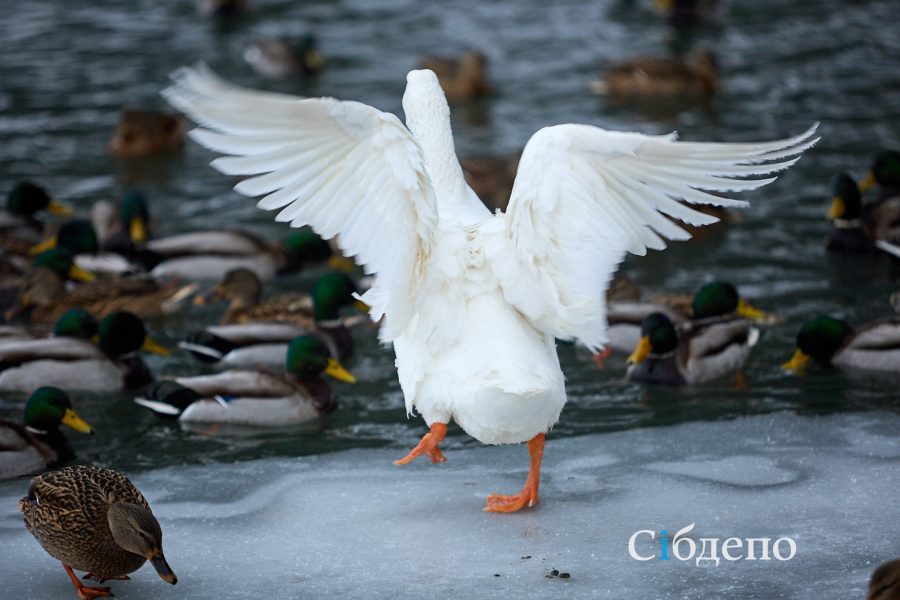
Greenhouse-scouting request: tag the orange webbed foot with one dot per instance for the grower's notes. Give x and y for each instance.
(600, 357)
(529, 495)
(86, 592)
(428, 446)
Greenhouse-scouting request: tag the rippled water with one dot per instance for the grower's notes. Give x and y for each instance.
(68, 68)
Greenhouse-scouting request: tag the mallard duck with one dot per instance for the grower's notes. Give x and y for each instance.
(44, 296)
(94, 519)
(707, 349)
(832, 342)
(18, 220)
(713, 302)
(885, 173)
(463, 77)
(885, 582)
(250, 334)
(209, 255)
(255, 397)
(281, 56)
(142, 133)
(114, 363)
(123, 229)
(859, 228)
(38, 443)
(472, 301)
(657, 76)
(79, 239)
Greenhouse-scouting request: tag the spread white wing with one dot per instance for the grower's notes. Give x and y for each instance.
(344, 168)
(583, 197)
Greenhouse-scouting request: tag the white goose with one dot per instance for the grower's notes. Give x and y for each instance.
(472, 301)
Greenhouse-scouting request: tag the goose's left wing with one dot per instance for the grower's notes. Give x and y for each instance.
(583, 197)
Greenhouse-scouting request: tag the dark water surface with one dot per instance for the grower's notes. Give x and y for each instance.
(67, 69)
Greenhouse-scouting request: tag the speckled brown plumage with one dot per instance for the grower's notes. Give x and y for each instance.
(147, 132)
(45, 297)
(66, 511)
(491, 178)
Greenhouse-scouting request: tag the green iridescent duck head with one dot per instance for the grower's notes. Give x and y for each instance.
(308, 357)
(658, 336)
(122, 333)
(819, 339)
(61, 262)
(304, 247)
(48, 408)
(135, 217)
(846, 200)
(885, 171)
(76, 323)
(27, 198)
(331, 293)
(719, 299)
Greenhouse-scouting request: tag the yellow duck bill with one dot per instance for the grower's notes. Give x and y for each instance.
(337, 370)
(641, 352)
(798, 361)
(71, 419)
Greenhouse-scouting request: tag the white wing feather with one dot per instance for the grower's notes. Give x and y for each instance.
(583, 197)
(344, 168)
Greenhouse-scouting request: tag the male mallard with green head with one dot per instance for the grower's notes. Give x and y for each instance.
(858, 227)
(38, 442)
(255, 397)
(94, 519)
(716, 342)
(885, 173)
(114, 363)
(18, 220)
(833, 342)
(714, 301)
(209, 255)
(254, 333)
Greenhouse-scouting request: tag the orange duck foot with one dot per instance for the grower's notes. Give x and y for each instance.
(102, 579)
(86, 592)
(428, 446)
(529, 494)
(600, 357)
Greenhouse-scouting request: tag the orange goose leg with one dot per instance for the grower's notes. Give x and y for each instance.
(529, 494)
(428, 446)
(85, 592)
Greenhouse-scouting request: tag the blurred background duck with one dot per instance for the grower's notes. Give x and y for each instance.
(44, 296)
(697, 77)
(885, 174)
(698, 355)
(713, 303)
(94, 519)
(491, 178)
(210, 255)
(255, 397)
(832, 342)
(38, 443)
(19, 221)
(125, 228)
(254, 333)
(463, 77)
(142, 133)
(280, 57)
(80, 239)
(114, 363)
(861, 228)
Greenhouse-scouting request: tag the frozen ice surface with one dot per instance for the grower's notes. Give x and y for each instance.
(352, 525)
